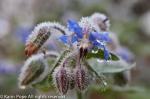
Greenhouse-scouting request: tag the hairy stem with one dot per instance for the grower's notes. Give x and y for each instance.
(51, 54)
(79, 95)
(59, 60)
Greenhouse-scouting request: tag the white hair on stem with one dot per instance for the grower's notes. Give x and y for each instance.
(46, 27)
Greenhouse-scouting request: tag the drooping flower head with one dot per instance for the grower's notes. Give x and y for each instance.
(101, 20)
(40, 35)
(86, 35)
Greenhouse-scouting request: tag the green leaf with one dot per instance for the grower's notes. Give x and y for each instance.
(109, 66)
(99, 53)
(114, 57)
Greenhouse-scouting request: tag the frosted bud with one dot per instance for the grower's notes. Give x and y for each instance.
(101, 20)
(41, 34)
(61, 79)
(81, 78)
(33, 71)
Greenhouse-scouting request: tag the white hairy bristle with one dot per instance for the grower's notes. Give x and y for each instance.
(57, 74)
(46, 25)
(86, 23)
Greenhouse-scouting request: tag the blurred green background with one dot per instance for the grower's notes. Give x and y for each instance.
(130, 20)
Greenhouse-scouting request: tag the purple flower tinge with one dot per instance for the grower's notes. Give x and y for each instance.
(75, 28)
(97, 39)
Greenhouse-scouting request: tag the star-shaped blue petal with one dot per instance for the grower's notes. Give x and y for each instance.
(104, 37)
(68, 39)
(74, 27)
(98, 44)
(99, 36)
(64, 39)
(106, 53)
(93, 36)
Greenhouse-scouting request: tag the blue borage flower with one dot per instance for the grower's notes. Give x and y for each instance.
(97, 39)
(74, 27)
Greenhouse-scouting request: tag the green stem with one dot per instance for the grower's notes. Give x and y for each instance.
(59, 60)
(79, 95)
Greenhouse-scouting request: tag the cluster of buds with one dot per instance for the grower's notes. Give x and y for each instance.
(66, 78)
(69, 71)
(86, 34)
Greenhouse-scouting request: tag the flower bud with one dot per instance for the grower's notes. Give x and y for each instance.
(40, 35)
(101, 20)
(81, 78)
(33, 71)
(61, 79)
